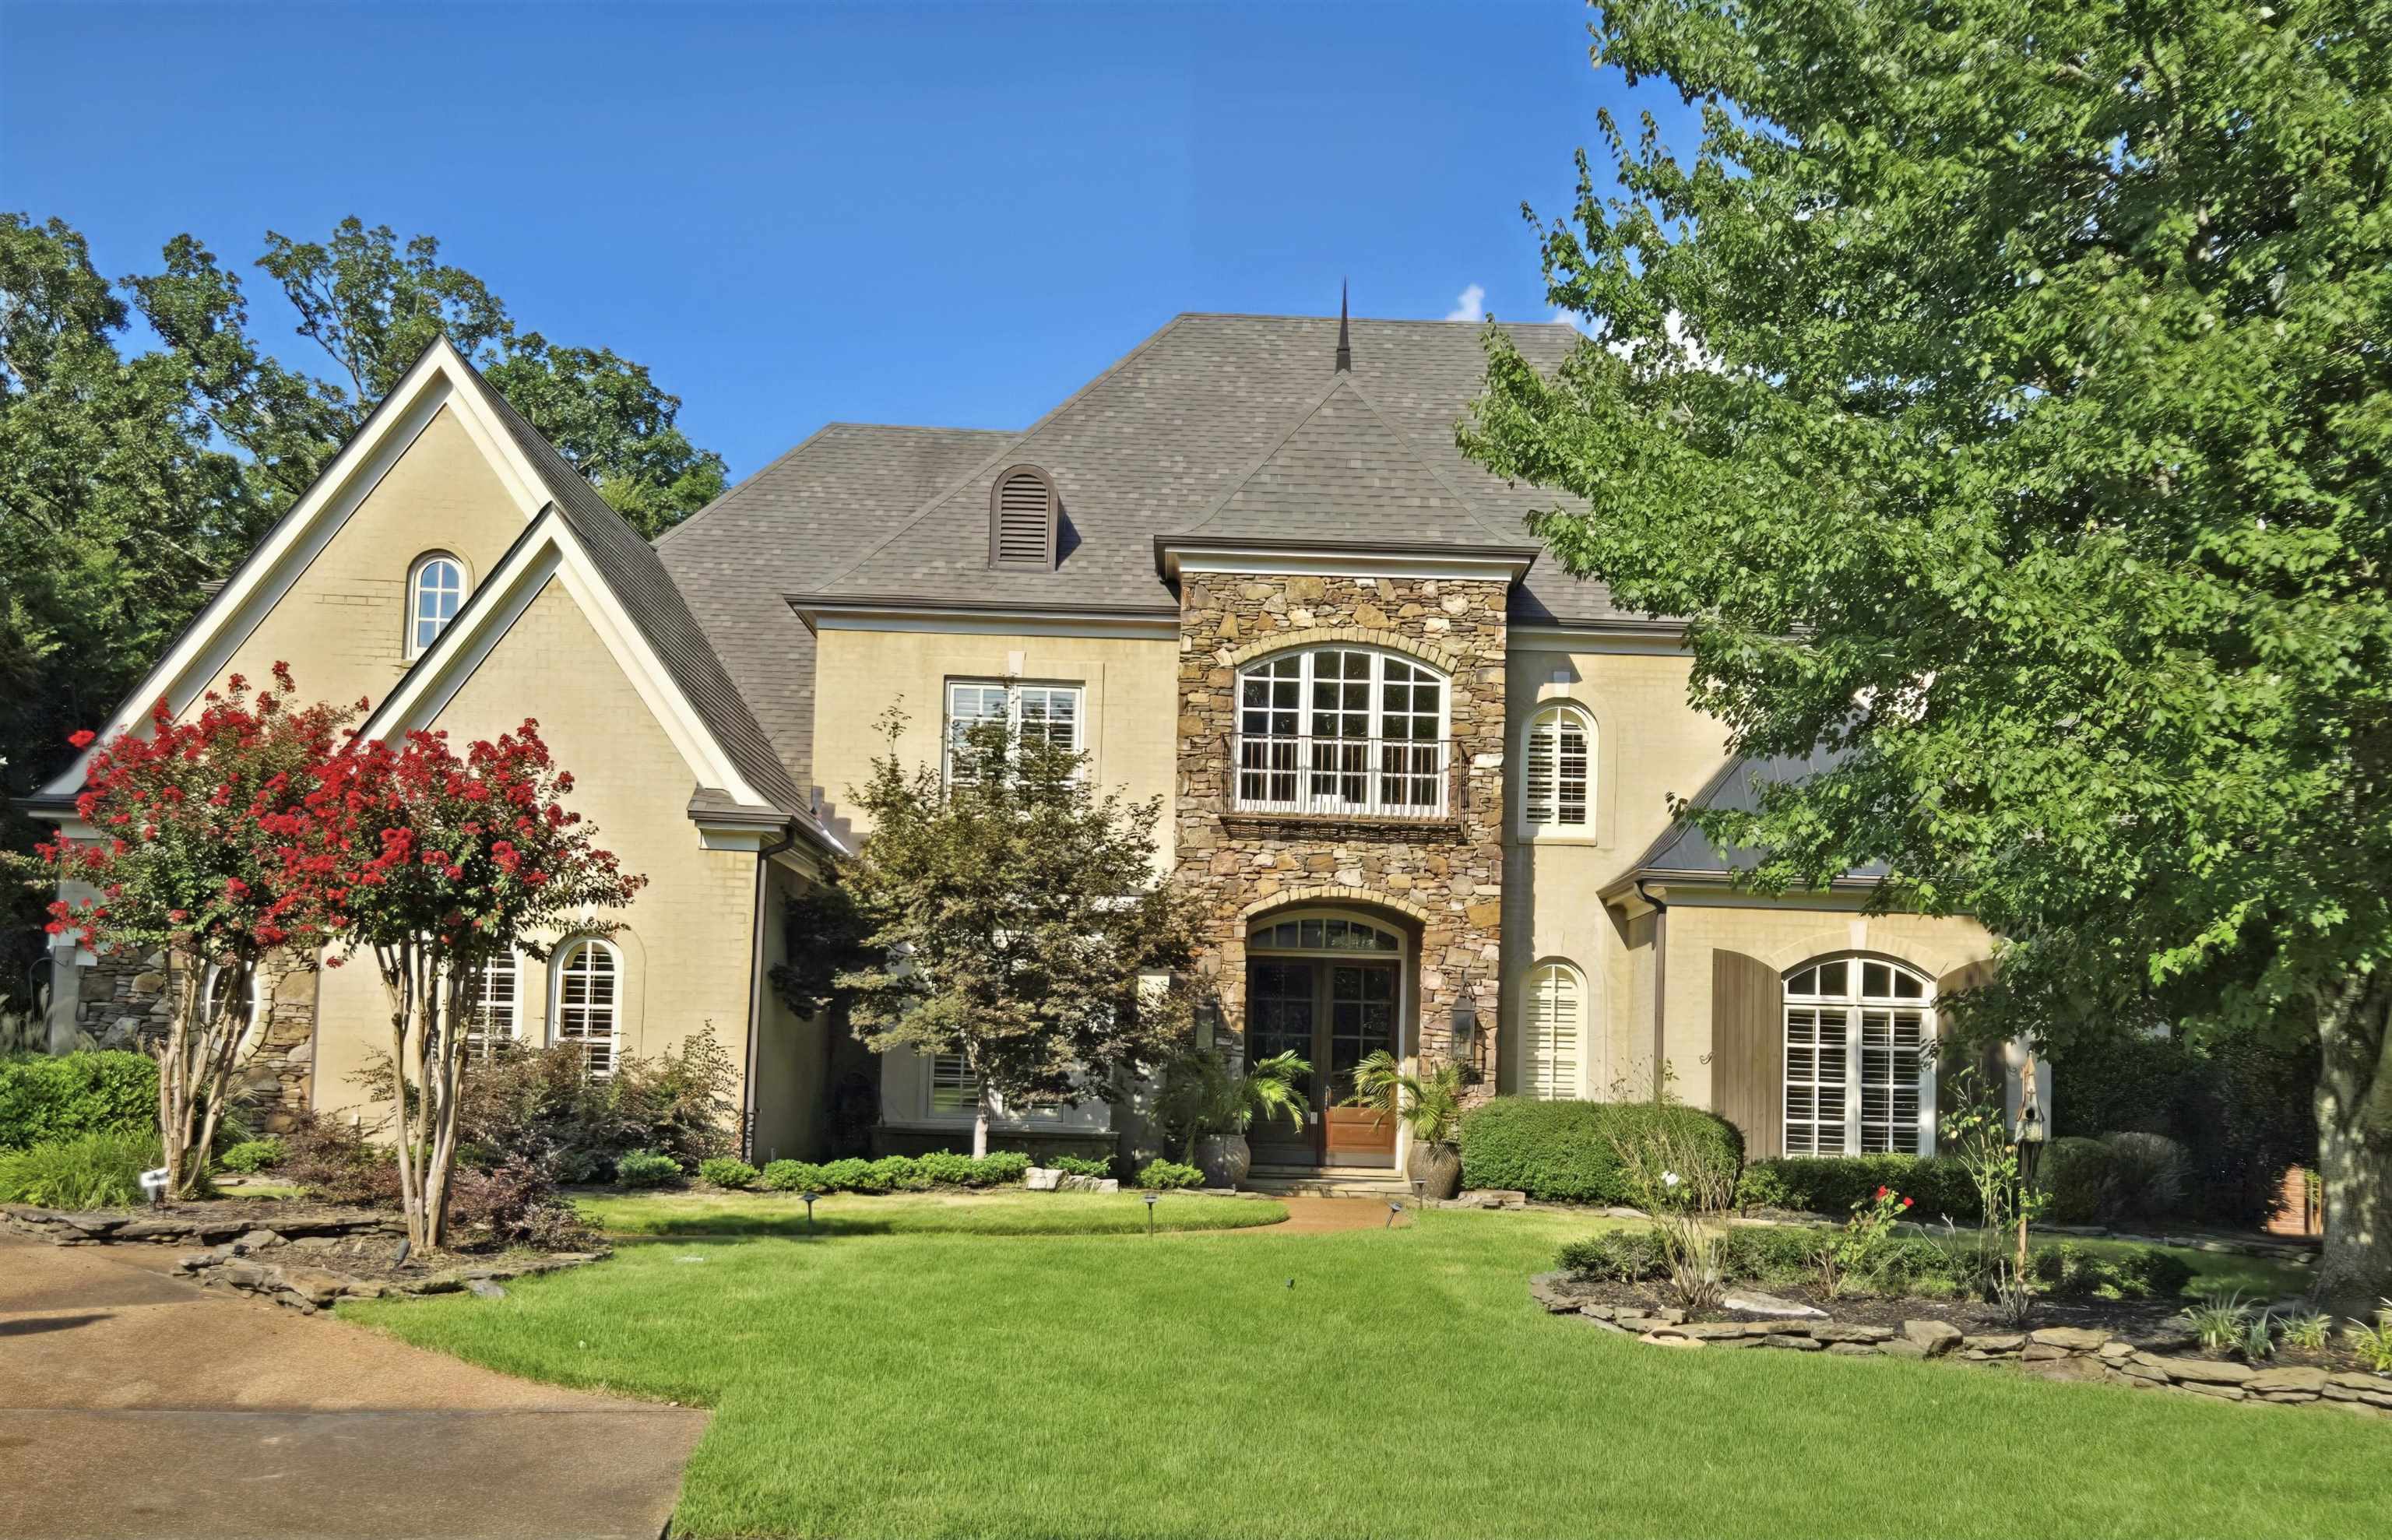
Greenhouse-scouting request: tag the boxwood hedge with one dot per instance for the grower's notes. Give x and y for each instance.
(1833, 1184)
(1566, 1151)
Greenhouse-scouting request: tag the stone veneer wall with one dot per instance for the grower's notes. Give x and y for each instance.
(122, 1001)
(1446, 877)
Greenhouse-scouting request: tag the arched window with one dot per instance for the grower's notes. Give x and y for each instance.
(1557, 772)
(492, 1017)
(1552, 1068)
(1349, 730)
(435, 587)
(1860, 1066)
(252, 1011)
(588, 995)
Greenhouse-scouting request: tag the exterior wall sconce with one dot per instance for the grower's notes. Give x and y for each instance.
(1464, 1027)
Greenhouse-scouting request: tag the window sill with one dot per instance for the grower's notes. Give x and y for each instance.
(1447, 830)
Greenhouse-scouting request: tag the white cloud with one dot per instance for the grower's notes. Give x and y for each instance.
(1469, 305)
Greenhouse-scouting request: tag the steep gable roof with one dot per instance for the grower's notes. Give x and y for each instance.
(1685, 850)
(1167, 436)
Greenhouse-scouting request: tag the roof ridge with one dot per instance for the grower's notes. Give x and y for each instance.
(1213, 511)
(727, 493)
(1373, 320)
(939, 497)
(1469, 504)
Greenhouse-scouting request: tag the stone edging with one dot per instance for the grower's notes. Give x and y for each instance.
(2050, 1353)
(245, 1265)
(109, 1226)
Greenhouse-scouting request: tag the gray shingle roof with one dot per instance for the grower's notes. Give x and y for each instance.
(1157, 441)
(1343, 475)
(1683, 848)
(630, 567)
(790, 525)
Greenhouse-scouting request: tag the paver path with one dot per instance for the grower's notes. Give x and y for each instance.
(134, 1404)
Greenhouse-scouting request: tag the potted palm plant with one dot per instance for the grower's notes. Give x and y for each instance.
(1213, 1106)
(1429, 1104)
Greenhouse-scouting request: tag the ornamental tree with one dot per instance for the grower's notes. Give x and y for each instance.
(436, 866)
(1010, 920)
(2002, 392)
(187, 862)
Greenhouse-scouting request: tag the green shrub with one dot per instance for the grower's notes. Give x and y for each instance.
(2147, 1175)
(1621, 1256)
(1564, 1150)
(1000, 1169)
(90, 1170)
(252, 1155)
(646, 1168)
(2072, 1272)
(335, 1161)
(793, 1176)
(45, 1100)
(1833, 1184)
(947, 1169)
(724, 1171)
(850, 1175)
(1166, 1175)
(896, 1173)
(1080, 1165)
(2079, 1174)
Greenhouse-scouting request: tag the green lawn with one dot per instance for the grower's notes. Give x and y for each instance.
(946, 1384)
(1013, 1213)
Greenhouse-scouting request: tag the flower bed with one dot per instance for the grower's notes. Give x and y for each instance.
(2110, 1342)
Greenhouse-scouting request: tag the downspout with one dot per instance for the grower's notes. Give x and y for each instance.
(1660, 988)
(756, 994)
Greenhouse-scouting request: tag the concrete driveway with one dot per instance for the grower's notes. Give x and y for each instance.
(134, 1404)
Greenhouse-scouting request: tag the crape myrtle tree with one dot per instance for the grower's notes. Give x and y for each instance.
(1011, 918)
(187, 862)
(2004, 390)
(435, 865)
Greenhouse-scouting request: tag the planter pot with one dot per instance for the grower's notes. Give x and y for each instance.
(1437, 1168)
(1225, 1158)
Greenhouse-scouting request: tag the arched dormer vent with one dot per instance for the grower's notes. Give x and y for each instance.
(1022, 514)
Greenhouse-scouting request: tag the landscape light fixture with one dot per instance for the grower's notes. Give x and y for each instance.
(1149, 1213)
(1393, 1209)
(810, 1208)
(154, 1183)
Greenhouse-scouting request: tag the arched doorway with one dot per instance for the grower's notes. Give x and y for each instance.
(1332, 987)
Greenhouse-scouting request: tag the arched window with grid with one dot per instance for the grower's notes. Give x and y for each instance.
(1552, 1068)
(1860, 1062)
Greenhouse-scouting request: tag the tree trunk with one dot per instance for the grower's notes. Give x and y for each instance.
(979, 1123)
(2354, 1113)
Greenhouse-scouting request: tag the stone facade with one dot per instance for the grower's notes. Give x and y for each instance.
(123, 1001)
(1442, 878)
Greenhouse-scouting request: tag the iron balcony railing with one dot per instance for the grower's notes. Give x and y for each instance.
(1301, 773)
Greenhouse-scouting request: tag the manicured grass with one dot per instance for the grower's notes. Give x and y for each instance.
(923, 1214)
(1365, 1383)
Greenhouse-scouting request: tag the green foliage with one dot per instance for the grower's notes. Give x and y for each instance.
(1003, 895)
(2218, 1321)
(88, 1170)
(2310, 1330)
(724, 1171)
(2373, 1342)
(2147, 1176)
(1832, 1184)
(542, 1105)
(643, 1168)
(44, 1099)
(252, 1155)
(2077, 1174)
(1617, 1256)
(335, 1161)
(2072, 1272)
(1168, 1175)
(898, 1173)
(1429, 1104)
(1199, 1095)
(1080, 1165)
(1565, 1151)
(1999, 390)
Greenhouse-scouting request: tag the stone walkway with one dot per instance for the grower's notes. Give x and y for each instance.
(133, 1404)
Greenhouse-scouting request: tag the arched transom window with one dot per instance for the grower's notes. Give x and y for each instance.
(1860, 1067)
(1553, 1066)
(1345, 731)
(1557, 776)
(435, 587)
(588, 996)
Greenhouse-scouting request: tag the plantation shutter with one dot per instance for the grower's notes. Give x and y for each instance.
(1556, 1034)
(1557, 778)
(1024, 521)
(1746, 1071)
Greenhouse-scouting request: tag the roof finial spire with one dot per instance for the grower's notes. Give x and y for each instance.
(1344, 349)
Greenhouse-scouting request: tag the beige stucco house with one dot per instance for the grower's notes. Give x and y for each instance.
(1420, 775)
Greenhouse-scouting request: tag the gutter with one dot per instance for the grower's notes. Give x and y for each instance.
(756, 995)
(1661, 984)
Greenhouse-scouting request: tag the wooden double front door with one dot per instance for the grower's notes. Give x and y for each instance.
(1332, 1013)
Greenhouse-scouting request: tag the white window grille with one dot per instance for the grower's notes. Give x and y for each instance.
(436, 589)
(588, 995)
(1557, 779)
(1556, 1022)
(1860, 1062)
(1044, 712)
(1347, 730)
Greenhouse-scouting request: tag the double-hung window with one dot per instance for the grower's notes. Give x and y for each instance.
(1045, 713)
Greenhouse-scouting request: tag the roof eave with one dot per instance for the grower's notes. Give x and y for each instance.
(1515, 560)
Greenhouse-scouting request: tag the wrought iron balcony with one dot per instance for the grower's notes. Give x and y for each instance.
(1303, 774)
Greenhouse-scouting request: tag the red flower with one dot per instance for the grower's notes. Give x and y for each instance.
(1906, 1203)
(1882, 1192)
(83, 740)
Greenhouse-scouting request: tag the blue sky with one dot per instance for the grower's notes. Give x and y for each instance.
(795, 213)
